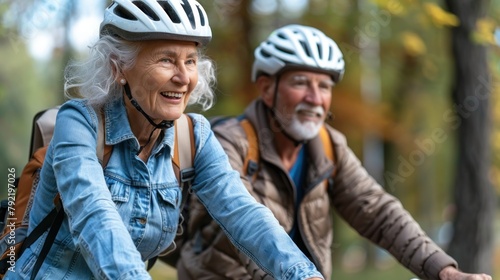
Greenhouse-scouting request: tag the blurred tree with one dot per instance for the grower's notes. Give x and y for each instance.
(472, 243)
(28, 85)
(415, 74)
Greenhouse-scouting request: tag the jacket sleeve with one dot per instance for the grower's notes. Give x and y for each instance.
(253, 269)
(236, 152)
(381, 218)
(74, 160)
(244, 221)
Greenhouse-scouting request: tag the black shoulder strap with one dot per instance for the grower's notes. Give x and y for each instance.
(51, 236)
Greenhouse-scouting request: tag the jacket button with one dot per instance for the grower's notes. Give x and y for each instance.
(142, 221)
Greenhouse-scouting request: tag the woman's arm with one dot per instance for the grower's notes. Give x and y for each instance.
(250, 226)
(96, 227)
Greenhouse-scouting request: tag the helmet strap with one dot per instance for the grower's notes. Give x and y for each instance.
(161, 125)
(273, 110)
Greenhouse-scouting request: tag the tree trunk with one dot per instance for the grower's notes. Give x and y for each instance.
(472, 242)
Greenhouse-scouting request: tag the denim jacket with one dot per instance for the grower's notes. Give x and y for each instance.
(121, 216)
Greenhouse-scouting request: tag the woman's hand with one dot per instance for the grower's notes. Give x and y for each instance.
(451, 273)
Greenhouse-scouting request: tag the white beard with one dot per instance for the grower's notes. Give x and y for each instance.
(301, 131)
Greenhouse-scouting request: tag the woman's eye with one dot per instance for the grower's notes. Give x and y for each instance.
(166, 60)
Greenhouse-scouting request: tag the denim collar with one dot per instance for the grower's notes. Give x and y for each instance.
(118, 129)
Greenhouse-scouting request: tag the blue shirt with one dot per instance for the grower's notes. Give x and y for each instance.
(118, 218)
(298, 173)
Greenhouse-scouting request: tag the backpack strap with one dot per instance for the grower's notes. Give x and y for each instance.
(43, 128)
(103, 151)
(184, 154)
(251, 164)
(101, 139)
(330, 153)
(327, 144)
(51, 236)
(183, 159)
(54, 219)
(182, 163)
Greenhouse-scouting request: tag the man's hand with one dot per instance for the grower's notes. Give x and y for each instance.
(451, 273)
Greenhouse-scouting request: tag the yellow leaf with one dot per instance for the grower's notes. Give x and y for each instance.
(485, 25)
(413, 44)
(394, 7)
(485, 30)
(439, 16)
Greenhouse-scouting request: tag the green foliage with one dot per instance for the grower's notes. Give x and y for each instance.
(24, 90)
(414, 74)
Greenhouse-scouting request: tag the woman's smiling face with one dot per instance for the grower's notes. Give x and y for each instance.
(163, 77)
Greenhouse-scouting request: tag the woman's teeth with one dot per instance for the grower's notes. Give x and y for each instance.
(172, 94)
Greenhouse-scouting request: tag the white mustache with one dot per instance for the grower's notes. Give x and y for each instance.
(313, 109)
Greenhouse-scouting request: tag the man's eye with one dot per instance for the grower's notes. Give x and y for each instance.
(326, 87)
(300, 83)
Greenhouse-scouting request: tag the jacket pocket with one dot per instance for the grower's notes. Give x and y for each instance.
(120, 194)
(169, 204)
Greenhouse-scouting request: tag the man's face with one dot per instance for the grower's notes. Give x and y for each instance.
(303, 102)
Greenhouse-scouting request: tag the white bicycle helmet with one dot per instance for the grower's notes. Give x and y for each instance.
(152, 19)
(298, 47)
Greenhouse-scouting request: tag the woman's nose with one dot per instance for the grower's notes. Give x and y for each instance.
(181, 76)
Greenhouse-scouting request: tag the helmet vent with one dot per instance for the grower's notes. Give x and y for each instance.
(202, 18)
(284, 50)
(147, 10)
(319, 49)
(306, 49)
(265, 54)
(170, 11)
(123, 13)
(189, 13)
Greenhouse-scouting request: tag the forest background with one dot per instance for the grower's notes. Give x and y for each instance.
(419, 102)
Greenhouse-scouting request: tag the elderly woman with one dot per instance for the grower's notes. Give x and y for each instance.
(141, 74)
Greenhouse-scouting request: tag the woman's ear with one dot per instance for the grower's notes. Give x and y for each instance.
(115, 68)
(265, 85)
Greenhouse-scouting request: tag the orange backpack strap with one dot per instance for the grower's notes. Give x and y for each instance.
(327, 143)
(251, 164)
(329, 152)
(26, 188)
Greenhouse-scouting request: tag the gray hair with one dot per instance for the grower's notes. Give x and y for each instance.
(95, 78)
